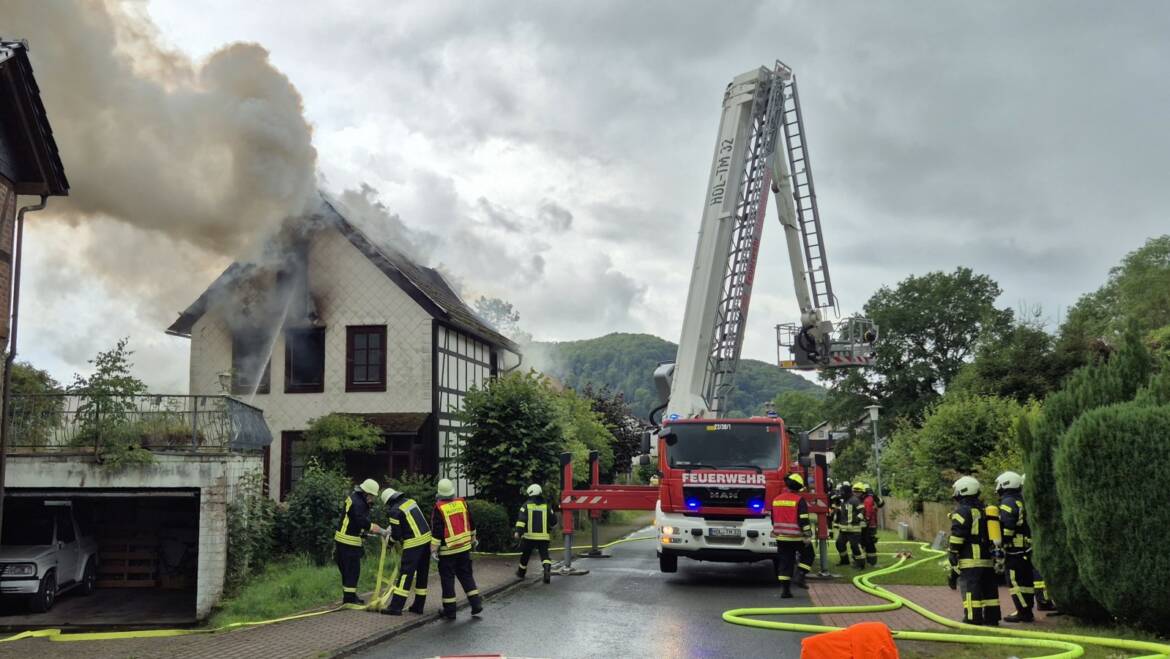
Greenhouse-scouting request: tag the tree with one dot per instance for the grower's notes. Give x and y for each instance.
(500, 315)
(1137, 290)
(618, 420)
(513, 439)
(1023, 364)
(800, 409)
(331, 436)
(107, 412)
(1106, 382)
(35, 409)
(930, 325)
(583, 431)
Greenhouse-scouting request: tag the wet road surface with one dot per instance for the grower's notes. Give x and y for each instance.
(624, 607)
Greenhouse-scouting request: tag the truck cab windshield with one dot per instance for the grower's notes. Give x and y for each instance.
(724, 446)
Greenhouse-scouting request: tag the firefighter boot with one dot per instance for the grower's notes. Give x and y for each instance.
(418, 604)
(521, 571)
(844, 560)
(476, 604)
(548, 573)
(1018, 616)
(859, 563)
(787, 592)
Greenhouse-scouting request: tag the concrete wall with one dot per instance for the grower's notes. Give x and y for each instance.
(348, 290)
(215, 476)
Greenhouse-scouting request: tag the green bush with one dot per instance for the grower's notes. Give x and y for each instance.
(1110, 474)
(493, 525)
(314, 507)
(251, 531)
(1114, 381)
(331, 436)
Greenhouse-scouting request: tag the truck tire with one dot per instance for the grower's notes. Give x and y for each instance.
(668, 563)
(89, 578)
(46, 594)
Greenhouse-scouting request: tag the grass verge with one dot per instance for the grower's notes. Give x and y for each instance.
(291, 585)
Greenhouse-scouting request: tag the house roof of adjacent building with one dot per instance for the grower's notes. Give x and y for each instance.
(36, 168)
(426, 286)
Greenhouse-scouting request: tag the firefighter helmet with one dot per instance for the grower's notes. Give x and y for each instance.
(388, 494)
(859, 487)
(445, 488)
(534, 490)
(1008, 480)
(370, 487)
(966, 486)
(794, 481)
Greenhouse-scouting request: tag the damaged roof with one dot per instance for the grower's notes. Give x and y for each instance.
(28, 152)
(426, 286)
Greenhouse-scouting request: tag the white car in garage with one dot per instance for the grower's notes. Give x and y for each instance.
(44, 553)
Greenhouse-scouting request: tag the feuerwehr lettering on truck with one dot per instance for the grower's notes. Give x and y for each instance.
(721, 478)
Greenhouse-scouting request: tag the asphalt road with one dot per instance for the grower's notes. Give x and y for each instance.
(624, 607)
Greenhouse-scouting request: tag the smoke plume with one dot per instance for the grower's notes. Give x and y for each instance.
(212, 155)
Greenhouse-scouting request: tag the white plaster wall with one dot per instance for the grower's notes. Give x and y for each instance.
(216, 477)
(349, 290)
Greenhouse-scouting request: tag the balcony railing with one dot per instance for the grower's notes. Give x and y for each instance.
(87, 423)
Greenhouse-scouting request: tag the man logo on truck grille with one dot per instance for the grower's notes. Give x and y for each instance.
(716, 478)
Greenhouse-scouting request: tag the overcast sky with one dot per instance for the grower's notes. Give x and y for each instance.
(557, 154)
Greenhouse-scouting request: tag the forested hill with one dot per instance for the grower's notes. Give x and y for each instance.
(626, 362)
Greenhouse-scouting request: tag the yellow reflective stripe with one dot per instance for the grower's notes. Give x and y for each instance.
(424, 539)
(956, 540)
(786, 503)
(451, 551)
(520, 524)
(450, 600)
(966, 563)
(345, 539)
(473, 593)
(420, 591)
(958, 518)
(348, 590)
(345, 516)
(1004, 506)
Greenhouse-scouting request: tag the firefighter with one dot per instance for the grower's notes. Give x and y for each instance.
(870, 505)
(532, 527)
(972, 556)
(848, 520)
(408, 526)
(452, 544)
(1017, 541)
(1043, 602)
(347, 539)
(791, 529)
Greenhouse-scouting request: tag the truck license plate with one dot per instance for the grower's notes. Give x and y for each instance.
(722, 532)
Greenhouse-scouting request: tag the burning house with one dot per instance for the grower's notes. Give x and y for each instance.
(335, 321)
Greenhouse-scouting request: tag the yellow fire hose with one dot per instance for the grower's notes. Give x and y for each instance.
(1068, 645)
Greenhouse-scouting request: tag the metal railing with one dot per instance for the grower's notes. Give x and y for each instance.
(88, 423)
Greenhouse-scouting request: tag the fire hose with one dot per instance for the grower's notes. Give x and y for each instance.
(1068, 646)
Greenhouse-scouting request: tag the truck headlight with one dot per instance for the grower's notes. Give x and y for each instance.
(668, 530)
(21, 570)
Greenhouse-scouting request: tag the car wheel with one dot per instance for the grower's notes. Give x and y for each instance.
(668, 562)
(46, 594)
(89, 578)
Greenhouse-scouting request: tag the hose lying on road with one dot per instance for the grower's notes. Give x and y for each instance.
(1067, 645)
(377, 602)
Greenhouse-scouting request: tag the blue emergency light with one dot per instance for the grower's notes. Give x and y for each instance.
(756, 504)
(693, 503)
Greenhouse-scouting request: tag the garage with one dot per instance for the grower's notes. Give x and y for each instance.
(143, 543)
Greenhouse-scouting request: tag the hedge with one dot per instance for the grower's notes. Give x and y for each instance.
(1110, 473)
(493, 525)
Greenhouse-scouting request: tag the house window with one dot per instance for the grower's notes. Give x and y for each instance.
(251, 365)
(365, 358)
(304, 360)
(294, 452)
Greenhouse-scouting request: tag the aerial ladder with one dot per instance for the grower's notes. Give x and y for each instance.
(715, 473)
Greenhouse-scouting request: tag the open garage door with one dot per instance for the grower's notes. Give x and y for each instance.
(143, 543)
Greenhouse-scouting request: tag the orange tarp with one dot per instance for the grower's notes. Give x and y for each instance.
(865, 640)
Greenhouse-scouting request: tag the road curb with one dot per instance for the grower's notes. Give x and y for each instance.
(381, 637)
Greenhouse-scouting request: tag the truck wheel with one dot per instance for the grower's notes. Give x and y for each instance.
(89, 578)
(46, 594)
(668, 562)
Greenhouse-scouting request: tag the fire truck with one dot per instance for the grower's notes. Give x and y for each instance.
(717, 476)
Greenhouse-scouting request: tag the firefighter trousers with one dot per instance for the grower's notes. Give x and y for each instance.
(980, 590)
(349, 563)
(853, 540)
(787, 551)
(1019, 572)
(526, 547)
(458, 566)
(412, 577)
(807, 556)
(869, 544)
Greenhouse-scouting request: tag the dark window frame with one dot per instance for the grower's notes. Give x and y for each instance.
(350, 333)
(310, 388)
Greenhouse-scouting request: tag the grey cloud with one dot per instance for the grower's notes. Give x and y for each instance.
(555, 217)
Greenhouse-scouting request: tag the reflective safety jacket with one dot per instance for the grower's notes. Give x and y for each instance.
(871, 505)
(970, 544)
(535, 519)
(1017, 535)
(790, 517)
(355, 519)
(850, 515)
(452, 530)
(408, 525)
